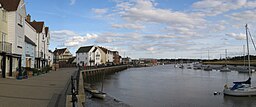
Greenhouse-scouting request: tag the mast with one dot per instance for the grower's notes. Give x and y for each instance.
(248, 51)
(102, 81)
(226, 57)
(244, 54)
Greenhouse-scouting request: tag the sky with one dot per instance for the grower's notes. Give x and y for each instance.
(149, 28)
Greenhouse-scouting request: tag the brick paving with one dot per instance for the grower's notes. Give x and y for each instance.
(38, 91)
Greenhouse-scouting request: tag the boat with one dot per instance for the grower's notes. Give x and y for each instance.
(208, 68)
(243, 69)
(243, 88)
(181, 66)
(225, 68)
(99, 94)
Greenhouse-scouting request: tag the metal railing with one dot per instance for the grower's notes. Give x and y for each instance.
(75, 87)
(5, 47)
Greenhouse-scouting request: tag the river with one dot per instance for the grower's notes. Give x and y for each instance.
(166, 86)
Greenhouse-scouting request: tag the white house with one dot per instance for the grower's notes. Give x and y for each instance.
(85, 56)
(110, 56)
(42, 42)
(107, 55)
(97, 56)
(15, 13)
(28, 56)
(50, 57)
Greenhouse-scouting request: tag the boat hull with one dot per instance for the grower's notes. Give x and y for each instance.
(99, 95)
(250, 91)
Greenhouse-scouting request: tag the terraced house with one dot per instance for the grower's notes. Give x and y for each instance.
(20, 38)
(13, 41)
(42, 43)
(94, 55)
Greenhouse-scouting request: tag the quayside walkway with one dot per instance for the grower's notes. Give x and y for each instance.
(47, 90)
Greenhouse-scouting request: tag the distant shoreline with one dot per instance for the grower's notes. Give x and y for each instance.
(229, 62)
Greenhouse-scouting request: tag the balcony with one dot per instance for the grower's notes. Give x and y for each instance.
(5, 47)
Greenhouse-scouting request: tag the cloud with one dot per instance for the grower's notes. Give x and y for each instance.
(248, 15)
(72, 2)
(128, 26)
(78, 40)
(216, 7)
(237, 36)
(100, 11)
(146, 11)
(69, 38)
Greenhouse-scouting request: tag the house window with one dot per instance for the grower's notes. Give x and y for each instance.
(3, 41)
(20, 20)
(4, 15)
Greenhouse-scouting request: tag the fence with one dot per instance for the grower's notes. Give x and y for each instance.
(75, 88)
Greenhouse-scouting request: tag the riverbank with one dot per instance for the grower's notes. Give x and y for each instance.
(94, 76)
(229, 62)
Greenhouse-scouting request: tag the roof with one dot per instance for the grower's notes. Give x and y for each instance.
(29, 41)
(50, 51)
(95, 49)
(84, 49)
(59, 51)
(38, 26)
(104, 49)
(10, 5)
(70, 60)
(46, 31)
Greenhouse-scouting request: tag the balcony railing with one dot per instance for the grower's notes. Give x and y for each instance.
(5, 47)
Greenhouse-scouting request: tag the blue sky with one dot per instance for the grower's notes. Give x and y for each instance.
(149, 28)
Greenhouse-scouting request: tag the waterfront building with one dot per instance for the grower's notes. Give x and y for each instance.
(126, 60)
(28, 56)
(110, 57)
(62, 55)
(42, 43)
(5, 47)
(85, 56)
(103, 52)
(13, 14)
(72, 60)
(50, 57)
(116, 57)
(97, 56)
(107, 56)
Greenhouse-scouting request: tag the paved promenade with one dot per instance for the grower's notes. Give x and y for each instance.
(39, 91)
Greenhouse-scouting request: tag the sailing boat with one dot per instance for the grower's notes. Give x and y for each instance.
(243, 88)
(243, 69)
(225, 68)
(99, 94)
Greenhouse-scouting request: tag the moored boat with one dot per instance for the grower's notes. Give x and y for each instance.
(243, 88)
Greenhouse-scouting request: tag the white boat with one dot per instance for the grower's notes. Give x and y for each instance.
(225, 68)
(98, 94)
(243, 88)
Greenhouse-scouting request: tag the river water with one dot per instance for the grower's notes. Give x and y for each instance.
(166, 86)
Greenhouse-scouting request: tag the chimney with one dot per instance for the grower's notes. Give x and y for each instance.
(28, 18)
